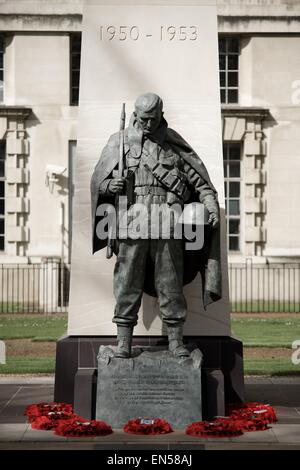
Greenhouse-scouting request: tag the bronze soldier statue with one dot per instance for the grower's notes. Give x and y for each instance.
(161, 169)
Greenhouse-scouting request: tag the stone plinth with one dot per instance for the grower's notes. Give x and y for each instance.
(151, 384)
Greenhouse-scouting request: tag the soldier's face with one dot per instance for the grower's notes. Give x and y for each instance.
(148, 121)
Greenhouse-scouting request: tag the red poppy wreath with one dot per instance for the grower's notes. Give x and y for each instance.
(244, 417)
(79, 427)
(60, 418)
(147, 426)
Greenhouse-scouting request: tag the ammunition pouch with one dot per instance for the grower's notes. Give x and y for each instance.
(172, 179)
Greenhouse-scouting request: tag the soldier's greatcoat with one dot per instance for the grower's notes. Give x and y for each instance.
(207, 260)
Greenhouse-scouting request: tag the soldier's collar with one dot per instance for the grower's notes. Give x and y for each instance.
(135, 136)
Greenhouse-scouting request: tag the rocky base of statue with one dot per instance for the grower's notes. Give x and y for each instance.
(76, 370)
(150, 384)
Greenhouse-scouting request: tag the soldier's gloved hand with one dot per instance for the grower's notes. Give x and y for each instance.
(116, 185)
(212, 206)
(213, 220)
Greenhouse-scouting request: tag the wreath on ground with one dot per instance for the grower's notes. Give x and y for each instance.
(219, 427)
(46, 409)
(79, 427)
(147, 426)
(243, 417)
(60, 417)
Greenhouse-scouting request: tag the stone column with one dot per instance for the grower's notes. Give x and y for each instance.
(255, 180)
(17, 178)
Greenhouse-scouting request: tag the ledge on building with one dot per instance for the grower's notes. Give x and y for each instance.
(229, 110)
(15, 111)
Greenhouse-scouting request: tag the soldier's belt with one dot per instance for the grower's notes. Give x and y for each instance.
(174, 180)
(153, 190)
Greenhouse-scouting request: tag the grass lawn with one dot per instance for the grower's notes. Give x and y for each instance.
(275, 366)
(24, 365)
(269, 332)
(30, 338)
(39, 327)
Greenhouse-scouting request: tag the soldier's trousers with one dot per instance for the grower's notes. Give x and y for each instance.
(129, 275)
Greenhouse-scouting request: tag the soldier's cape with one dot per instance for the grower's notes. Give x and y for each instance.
(207, 260)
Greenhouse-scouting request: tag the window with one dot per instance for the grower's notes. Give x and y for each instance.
(229, 69)
(75, 50)
(1, 69)
(2, 195)
(232, 177)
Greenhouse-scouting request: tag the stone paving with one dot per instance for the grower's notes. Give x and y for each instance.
(282, 393)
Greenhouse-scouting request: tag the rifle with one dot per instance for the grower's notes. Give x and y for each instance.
(110, 241)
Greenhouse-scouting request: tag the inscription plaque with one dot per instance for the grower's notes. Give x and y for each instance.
(151, 384)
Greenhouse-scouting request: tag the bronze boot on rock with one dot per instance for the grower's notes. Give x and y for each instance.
(124, 341)
(176, 345)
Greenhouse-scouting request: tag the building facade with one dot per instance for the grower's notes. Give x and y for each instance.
(259, 44)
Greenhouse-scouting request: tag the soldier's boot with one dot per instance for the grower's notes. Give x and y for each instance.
(124, 341)
(176, 345)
